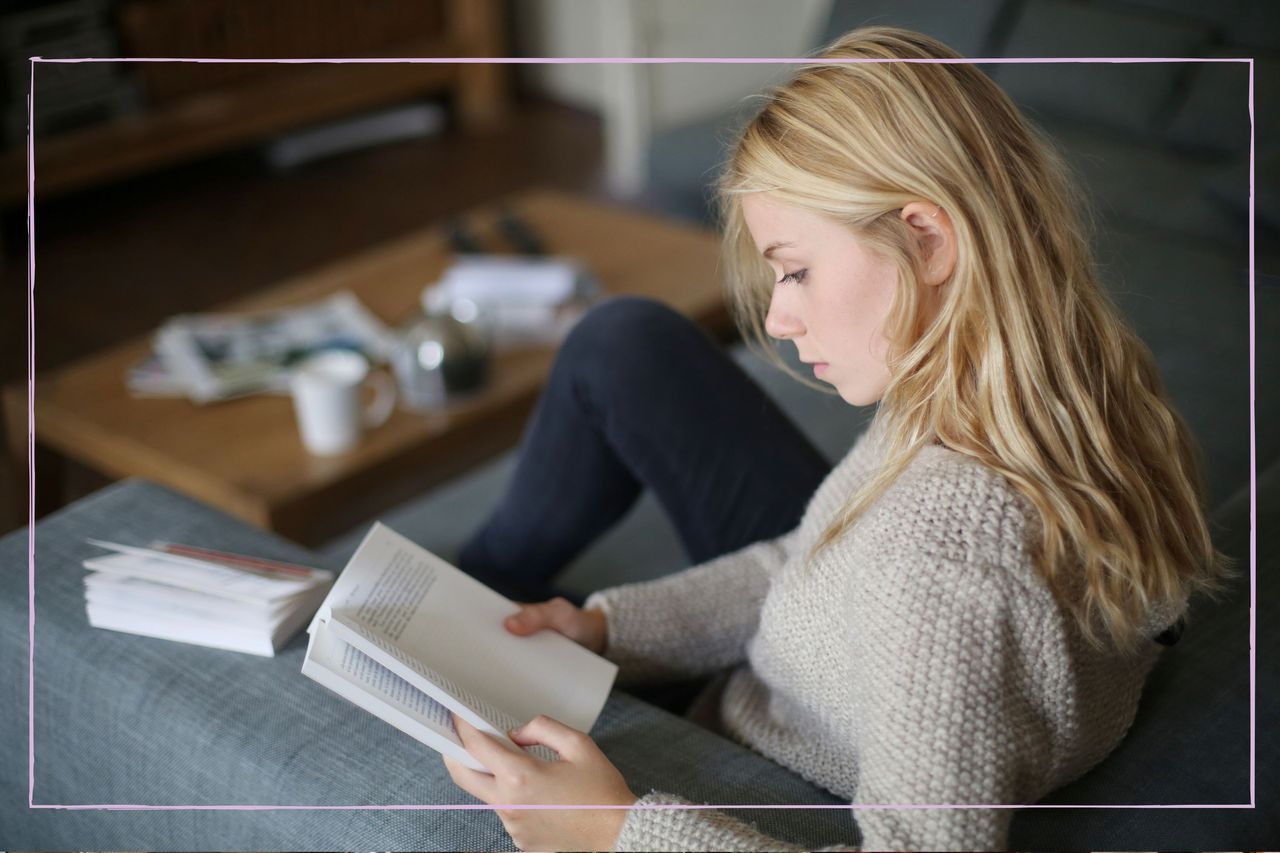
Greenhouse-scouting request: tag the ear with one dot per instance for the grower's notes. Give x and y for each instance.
(935, 237)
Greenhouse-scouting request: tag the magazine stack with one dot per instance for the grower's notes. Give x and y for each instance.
(211, 357)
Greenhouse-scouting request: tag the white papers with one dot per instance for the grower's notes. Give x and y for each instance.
(201, 575)
(511, 279)
(523, 300)
(254, 608)
(440, 631)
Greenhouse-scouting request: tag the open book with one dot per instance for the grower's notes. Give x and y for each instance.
(409, 638)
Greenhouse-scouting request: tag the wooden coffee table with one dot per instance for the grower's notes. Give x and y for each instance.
(245, 456)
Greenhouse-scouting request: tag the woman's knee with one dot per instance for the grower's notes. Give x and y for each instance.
(626, 334)
(623, 322)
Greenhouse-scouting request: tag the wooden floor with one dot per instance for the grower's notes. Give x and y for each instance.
(114, 262)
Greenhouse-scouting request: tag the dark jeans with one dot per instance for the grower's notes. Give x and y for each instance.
(640, 397)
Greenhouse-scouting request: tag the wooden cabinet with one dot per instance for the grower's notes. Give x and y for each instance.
(194, 109)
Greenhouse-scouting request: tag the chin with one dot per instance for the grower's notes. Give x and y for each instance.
(860, 396)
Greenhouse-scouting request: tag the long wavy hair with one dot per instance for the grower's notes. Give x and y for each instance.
(1026, 366)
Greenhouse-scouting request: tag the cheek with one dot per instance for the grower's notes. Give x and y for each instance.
(868, 311)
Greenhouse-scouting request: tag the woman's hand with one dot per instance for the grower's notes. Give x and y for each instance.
(582, 776)
(584, 627)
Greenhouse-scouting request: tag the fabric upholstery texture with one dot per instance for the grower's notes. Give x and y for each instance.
(227, 727)
(131, 720)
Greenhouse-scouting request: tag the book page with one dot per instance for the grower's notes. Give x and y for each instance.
(199, 575)
(136, 594)
(415, 672)
(360, 679)
(198, 632)
(453, 697)
(393, 688)
(451, 625)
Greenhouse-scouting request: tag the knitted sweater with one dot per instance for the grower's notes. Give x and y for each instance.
(920, 659)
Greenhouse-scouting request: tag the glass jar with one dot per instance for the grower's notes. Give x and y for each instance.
(443, 353)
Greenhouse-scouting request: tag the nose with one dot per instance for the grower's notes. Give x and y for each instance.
(782, 321)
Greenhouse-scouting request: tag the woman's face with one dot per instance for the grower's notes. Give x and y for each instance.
(831, 297)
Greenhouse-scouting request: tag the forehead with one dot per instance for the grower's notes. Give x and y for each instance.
(777, 226)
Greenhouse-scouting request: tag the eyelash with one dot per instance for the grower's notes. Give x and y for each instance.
(797, 276)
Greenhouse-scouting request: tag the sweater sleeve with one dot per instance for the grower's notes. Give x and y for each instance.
(938, 730)
(954, 726)
(693, 829)
(694, 622)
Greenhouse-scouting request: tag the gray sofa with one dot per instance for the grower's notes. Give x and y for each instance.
(125, 720)
(128, 720)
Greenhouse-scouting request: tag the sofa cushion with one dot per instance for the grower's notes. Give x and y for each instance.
(1256, 25)
(1224, 187)
(1131, 97)
(1221, 15)
(1143, 184)
(964, 27)
(1213, 115)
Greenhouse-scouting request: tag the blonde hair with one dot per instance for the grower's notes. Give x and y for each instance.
(1027, 366)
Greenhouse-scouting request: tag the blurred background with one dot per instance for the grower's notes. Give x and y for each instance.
(172, 187)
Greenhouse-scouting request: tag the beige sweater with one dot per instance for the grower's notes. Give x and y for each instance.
(919, 660)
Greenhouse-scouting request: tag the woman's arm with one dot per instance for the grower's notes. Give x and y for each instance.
(699, 621)
(945, 721)
(694, 622)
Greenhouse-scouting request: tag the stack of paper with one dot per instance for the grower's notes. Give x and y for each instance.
(523, 300)
(195, 595)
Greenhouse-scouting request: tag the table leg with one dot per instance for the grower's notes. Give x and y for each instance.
(482, 99)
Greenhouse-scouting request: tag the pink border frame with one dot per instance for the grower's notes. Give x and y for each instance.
(31, 271)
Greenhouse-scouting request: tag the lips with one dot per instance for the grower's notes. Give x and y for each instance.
(819, 369)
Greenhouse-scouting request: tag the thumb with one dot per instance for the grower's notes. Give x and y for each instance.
(556, 614)
(550, 732)
(529, 619)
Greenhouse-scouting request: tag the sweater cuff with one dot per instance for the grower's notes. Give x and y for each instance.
(669, 828)
(636, 663)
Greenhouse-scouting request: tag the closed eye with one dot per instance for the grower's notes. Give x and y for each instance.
(794, 277)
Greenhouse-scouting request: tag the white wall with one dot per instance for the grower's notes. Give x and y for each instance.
(638, 100)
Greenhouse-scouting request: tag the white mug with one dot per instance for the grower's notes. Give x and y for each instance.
(326, 390)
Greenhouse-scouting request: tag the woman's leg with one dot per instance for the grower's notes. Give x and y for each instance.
(640, 396)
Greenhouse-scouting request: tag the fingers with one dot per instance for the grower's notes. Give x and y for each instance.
(477, 784)
(568, 742)
(557, 614)
(487, 749)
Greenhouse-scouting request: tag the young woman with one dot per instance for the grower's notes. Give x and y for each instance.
(973, 597)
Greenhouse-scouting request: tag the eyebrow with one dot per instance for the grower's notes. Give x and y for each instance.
(779, 245)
